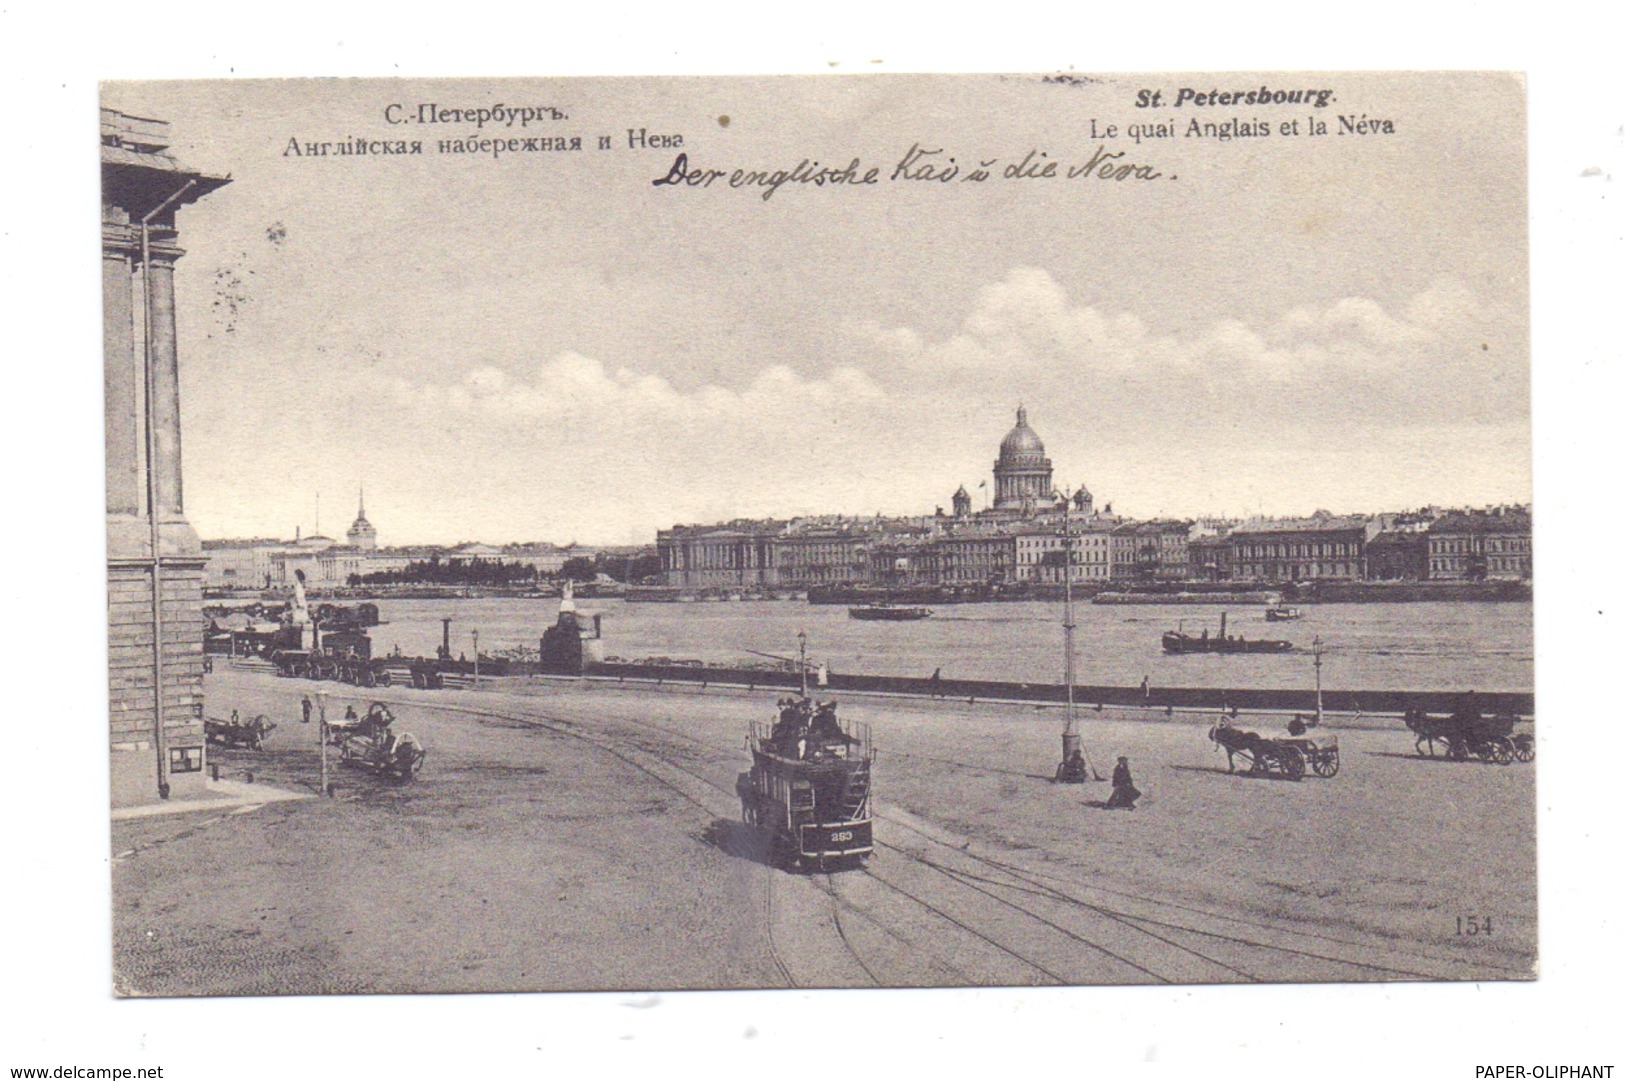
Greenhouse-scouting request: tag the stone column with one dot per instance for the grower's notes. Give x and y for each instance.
(166, 403)
(121, 379)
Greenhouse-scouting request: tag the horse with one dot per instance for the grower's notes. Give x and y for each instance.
(1240, 741)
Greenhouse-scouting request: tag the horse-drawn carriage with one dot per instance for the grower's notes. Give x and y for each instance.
(367, 742)
(1289, 756)
(1468, 734)
(237, 732)
(329, 663)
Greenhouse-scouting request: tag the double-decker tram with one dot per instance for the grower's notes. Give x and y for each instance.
(809, 785)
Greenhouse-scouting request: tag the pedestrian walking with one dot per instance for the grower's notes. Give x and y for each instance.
(1123, 791)
(1145, 688)
(306, 707)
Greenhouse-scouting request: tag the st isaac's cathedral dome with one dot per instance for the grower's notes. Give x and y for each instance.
(1021, 476)
(1021, 447)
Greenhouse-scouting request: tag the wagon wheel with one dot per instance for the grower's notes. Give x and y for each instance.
(368, 679)
(1523, 749)
(383, 678)
(1499, 751)
(405, 771)
(780, 853)
(1456, 749)
(1292, 764)
(1326, 764)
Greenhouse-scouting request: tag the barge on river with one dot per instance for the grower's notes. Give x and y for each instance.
(888, 612)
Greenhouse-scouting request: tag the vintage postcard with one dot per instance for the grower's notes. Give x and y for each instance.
(818, 532)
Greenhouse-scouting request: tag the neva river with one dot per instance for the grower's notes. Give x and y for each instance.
(1415, 647)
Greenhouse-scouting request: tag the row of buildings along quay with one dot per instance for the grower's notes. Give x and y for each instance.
(1023, 537)
(359, 561)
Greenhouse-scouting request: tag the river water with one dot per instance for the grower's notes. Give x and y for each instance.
(1447, 646)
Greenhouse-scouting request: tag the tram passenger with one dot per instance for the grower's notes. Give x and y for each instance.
(791, 728)
(824, 725)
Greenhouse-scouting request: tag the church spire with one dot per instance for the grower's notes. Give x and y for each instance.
(362, 533)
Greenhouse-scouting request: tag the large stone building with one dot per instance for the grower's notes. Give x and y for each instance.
(1479, 545)
(1011, 541)
(154, 558)
(1322, 546)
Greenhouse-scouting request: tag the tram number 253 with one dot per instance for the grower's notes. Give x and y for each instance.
(839, 836)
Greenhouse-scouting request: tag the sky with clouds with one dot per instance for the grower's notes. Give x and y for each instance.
(549, 346)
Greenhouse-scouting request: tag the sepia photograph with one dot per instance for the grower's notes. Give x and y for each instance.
(730, 541)
(882, 531)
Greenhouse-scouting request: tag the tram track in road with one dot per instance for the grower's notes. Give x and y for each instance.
(1137, 938)
(837, 901)
(836, 904)
(1166, 931)
(1252, 940)
(564, 726)
(988, 888)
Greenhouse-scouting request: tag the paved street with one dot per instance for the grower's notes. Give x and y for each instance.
(572, 836)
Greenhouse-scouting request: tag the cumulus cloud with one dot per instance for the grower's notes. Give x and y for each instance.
(1350, 358)
(570, 385)
(1316, 399)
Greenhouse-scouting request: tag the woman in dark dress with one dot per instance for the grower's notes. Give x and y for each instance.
(1123, 791)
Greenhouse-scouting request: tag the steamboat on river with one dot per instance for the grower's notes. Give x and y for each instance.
(1224, 642)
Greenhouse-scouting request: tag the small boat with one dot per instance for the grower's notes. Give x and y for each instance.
(887, 612)
(1282, 613)
(1223, 642)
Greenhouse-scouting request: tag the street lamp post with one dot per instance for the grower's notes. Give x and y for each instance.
(1319, 711)
(476, 635)
(321, 739)
(1070, 741)
(801, 639)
